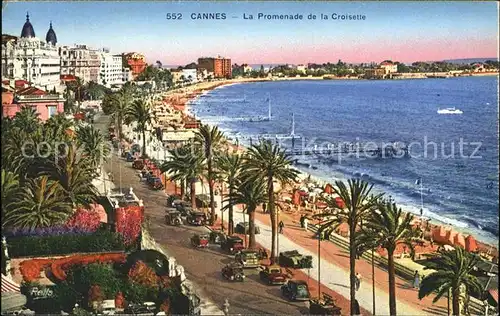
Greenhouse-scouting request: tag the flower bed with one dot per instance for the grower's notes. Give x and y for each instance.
(30, 269)
(83, 221)
(100, 241)
(128, 223)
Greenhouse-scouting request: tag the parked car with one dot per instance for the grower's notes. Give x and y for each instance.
(200, 241)
(244, 228)
(185, 209)
(294, 259)
(216, 236)
(232, 244)
(138, 164)
(203, 200)
(248, 258)
(155, 183)
(173, 217)
(296, 290)
(234, 272)
(326, 306)
(273, 275)
(196, 218)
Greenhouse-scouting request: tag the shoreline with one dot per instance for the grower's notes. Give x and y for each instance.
(197, 91)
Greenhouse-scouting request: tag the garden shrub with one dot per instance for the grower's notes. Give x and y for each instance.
(33, 246)
(128, 223)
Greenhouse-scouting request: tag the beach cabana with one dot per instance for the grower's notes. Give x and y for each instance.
(459, 240)
(470, 243)
(328, 188)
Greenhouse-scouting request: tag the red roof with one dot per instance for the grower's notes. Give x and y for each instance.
(386, 63)
(17, 83)
(68, 77)
(31, 91)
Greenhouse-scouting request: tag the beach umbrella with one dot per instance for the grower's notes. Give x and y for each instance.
(459, 240)
(101, 211)
(470, 243)
(339, 202)
(328, 188)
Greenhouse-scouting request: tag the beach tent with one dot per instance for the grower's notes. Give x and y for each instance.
(470, 243)
(296, 197)
(328, 188)
(439, 234)
(450, 237)
(459, 240)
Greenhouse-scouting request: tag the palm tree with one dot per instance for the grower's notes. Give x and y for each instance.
(229, 167)
(117, 105)
(452, 272)
(186, 166)
(58, 126)
(271, 163)
(41, 203)
(251, 193)
(94, 144)
(140, 112)
(387, 227)
(209, 138)
(358, 202)
(27, 120)
(74, 174)
(10, 188)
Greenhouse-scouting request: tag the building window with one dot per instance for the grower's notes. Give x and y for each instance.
(52, 110)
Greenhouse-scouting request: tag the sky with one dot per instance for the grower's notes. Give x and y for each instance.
(402, 31)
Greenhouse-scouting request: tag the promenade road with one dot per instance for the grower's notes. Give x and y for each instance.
(202, 266)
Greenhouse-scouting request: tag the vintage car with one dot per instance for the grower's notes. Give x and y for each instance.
(138, 164)
(232, 244)
(296, 290)
(216, 236)
(130, 157)
(293, 259)
(273, 275)
(173, 217)
(326, 306)
(196, 218)
(155, 183)
(185, 208)
(233, 271)
(203, 200)
(248, 258)
(199, 240)
(244, 228)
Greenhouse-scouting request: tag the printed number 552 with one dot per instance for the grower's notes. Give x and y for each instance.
(174, 16)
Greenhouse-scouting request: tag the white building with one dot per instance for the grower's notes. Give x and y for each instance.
(302, 68)
(80, 61)
(112, 71)
(190, 75)
(389, 67)
(31, 59)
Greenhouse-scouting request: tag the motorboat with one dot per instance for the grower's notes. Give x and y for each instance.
(450, 111)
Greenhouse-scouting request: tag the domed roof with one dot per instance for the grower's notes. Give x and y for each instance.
(28, 30)
(51, 36)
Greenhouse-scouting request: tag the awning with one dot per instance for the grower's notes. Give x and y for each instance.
(9, 286)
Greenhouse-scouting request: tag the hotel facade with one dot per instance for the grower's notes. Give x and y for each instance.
(219, 66)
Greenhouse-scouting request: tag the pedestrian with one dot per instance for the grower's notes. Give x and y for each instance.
(357, 280)
(306, 221)
(302, 221)
(416, 280)
(264, 205)
(281, 225)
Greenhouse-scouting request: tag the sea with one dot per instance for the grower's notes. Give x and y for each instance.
(450, 172)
